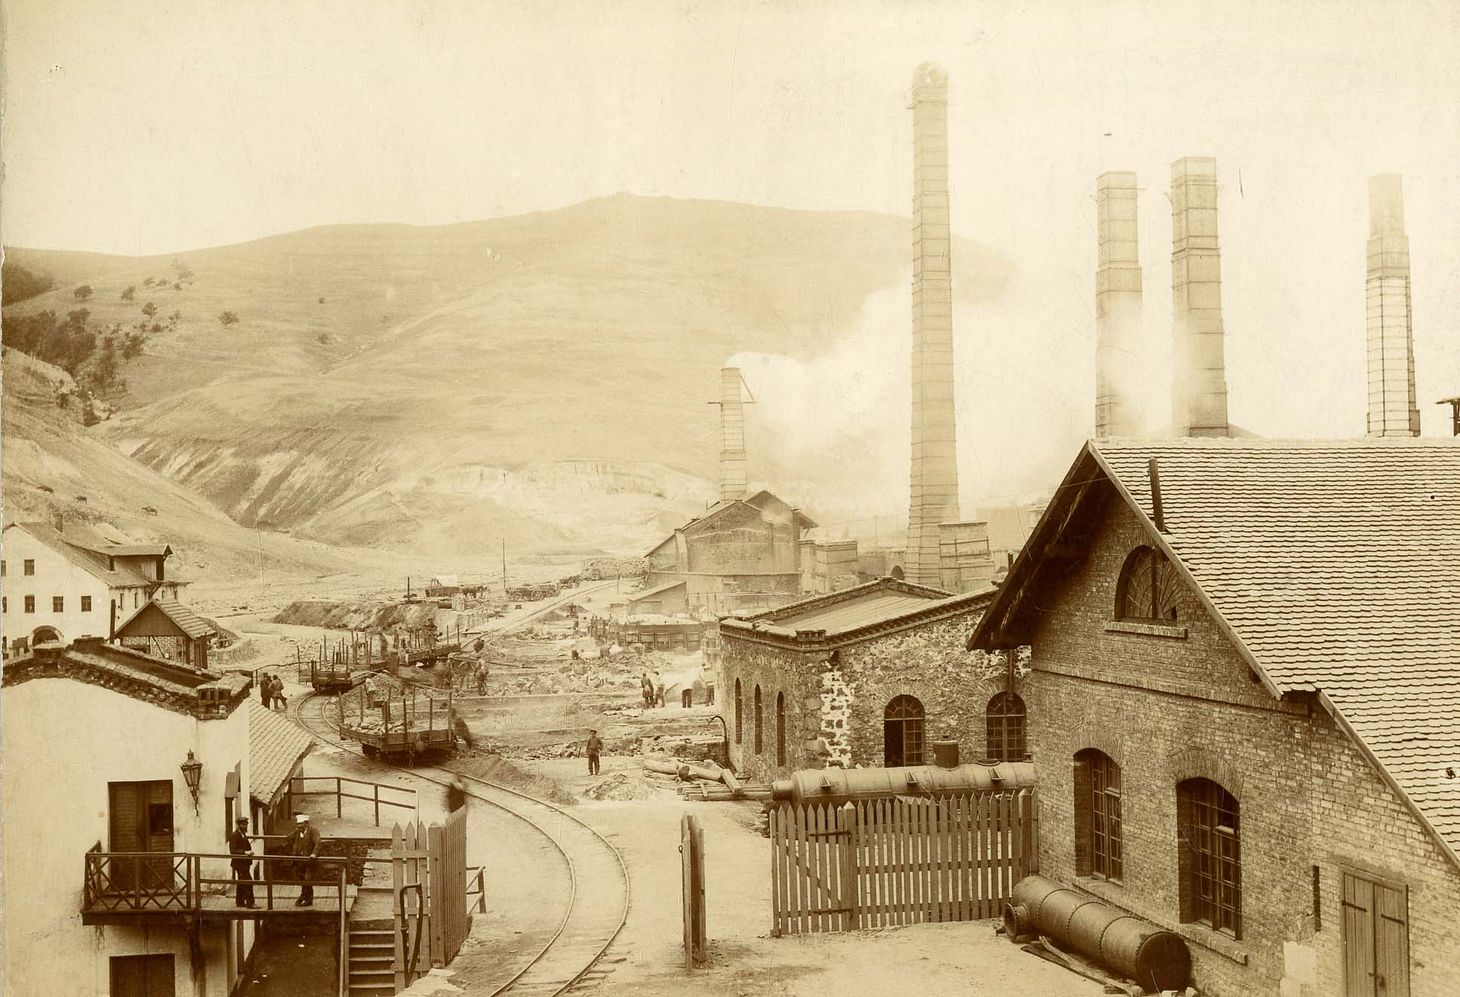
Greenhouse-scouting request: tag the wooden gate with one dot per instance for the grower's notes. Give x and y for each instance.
(450, 920)
(899, 860)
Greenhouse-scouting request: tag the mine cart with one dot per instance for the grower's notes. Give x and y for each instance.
(334, 668)
(395, 722)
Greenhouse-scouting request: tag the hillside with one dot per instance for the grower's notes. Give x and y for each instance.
(542, 378)
(53, 467)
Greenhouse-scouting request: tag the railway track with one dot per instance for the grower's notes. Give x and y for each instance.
(598, 899)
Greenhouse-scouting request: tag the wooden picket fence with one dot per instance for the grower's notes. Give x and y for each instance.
(899, 860)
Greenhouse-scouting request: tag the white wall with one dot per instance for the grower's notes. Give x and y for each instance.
(54, 575)
(56, 768)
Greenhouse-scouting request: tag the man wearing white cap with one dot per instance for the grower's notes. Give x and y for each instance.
(304, 846)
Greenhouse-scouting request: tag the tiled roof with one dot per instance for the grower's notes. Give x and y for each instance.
(274, 746)
(86, 551)
(186, 620)
(1337, 567)
(169, 684)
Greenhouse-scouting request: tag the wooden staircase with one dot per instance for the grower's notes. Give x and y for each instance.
(371, 971)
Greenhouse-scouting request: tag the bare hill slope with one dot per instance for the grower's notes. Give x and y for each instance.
(541, 377)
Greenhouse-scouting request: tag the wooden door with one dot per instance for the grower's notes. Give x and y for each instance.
(140, 821)
(143, 976)
(1375, 938)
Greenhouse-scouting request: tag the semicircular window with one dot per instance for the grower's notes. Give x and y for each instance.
(1148, 588)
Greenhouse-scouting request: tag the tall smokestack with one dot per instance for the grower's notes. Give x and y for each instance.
(934, 497)
(1393, 410)
(732, 436)
(1117, 304)
(1199, 380)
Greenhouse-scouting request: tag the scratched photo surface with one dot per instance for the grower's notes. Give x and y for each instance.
(574, 495)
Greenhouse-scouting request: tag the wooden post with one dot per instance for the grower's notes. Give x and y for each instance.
(435, 869)
(397, 880)
(339, 797)
(847, 824)
(342, 961)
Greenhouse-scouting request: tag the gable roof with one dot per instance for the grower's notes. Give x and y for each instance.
(765, 505)
(857, 613)
(181, 616)
(1333, 567)
(275, 745)
(87, 552)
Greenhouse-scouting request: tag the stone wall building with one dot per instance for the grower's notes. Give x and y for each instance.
(1244, 703)
(866, 676)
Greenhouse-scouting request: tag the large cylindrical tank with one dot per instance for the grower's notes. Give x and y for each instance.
(1123, 943)
(840, 785)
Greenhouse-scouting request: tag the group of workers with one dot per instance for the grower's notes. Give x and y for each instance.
(302, 844)
(271, 691)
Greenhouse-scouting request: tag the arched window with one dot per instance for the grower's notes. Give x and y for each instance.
(780, 728)
(1210, 855)
(897, 572)
(1148, 588)
(1098, 849)
(1006, 728)
(739, 714)
(902, 732)
(43, 634)
(759, 725)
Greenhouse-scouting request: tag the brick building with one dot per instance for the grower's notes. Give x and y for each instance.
(742, 555)
(1244, 703)
(865, 676)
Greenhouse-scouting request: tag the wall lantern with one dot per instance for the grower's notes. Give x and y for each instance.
(192, 771)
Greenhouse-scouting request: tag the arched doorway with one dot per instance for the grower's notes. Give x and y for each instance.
(897, 572)
(43, 635)
(902, 732)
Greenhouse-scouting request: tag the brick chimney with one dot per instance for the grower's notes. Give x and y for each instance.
(732, 436)
(934, 478)
(1393, 410)
(1117, 304)
(1199, 377)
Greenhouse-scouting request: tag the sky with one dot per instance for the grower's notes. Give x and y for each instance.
(162, 127)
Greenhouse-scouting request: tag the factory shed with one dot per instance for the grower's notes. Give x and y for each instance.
(870, 675)
(1287, 611)
(661, 600)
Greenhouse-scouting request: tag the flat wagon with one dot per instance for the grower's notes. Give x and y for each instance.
(396, 722)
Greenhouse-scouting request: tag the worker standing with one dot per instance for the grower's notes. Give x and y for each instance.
(242, 850)
(595, 748)
(455, 794)
(304, 846)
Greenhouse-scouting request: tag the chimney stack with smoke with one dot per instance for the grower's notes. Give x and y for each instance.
(1393, 410)
(1199, 377)
(1117, 305)
(934, 492)
(732, 436)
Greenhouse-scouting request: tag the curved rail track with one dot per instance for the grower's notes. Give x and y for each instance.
(598, 898)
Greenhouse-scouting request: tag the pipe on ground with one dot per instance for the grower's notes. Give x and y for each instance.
(1123, 943)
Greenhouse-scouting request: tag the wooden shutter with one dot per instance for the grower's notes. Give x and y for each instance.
(143, 976)
(1358, 937)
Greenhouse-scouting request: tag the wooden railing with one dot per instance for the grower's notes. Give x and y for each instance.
(476, 886)
(377, 799)
(119, 882)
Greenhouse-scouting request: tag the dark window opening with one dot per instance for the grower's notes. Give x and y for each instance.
(739, 714)
(1148, 589)
(780, 728)
(1209, 839)
(29, 566)
(1006, 742)
(30, 604)
(86, 603)
(58, 604)
(903, 732)
(759, 725)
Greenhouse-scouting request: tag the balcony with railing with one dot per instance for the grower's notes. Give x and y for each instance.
(137, 887)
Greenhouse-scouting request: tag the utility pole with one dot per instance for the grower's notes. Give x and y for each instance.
(504, 567)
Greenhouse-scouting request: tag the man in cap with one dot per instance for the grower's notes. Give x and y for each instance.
(239, 845)
(594, 749)
(304, 846)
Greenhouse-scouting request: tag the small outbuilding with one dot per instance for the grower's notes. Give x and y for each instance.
(870, 675)
(167, 630)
